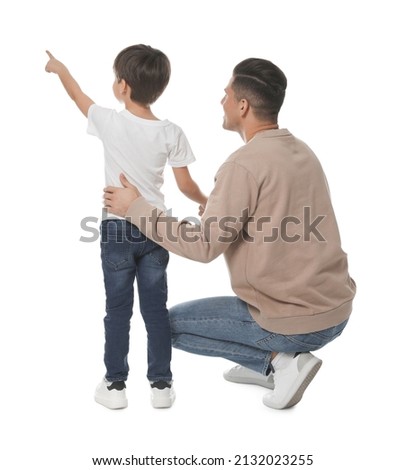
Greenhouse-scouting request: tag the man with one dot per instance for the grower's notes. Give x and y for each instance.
(270, 214)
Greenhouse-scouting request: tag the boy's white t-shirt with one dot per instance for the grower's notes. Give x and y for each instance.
(139, 148)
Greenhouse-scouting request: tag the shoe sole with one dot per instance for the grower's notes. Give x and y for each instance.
(243, 380)
(163, 402)
(306, 382)
(299, 387)
(111, 405)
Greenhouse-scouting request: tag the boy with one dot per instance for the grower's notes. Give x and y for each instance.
(138, 144)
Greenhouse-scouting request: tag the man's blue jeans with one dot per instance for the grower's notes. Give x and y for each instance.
(223, 327)
(128, 255)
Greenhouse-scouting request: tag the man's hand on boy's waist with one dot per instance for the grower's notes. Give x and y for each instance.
(118, 200)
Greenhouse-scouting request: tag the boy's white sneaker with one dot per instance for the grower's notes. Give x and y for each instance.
(162, 394)
(111, 394)
(243, 375)
(293, 373)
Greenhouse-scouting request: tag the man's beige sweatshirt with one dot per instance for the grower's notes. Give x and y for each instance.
(271, 215)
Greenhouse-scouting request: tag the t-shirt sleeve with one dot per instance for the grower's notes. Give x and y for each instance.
(181, 153)
(97, 120)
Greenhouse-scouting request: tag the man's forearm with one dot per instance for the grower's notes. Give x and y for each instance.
(227, 211)
(181, 238)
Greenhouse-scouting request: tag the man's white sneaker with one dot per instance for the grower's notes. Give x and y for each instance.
(243, 375)
(162, 394)
(293, 374)
(111, 394)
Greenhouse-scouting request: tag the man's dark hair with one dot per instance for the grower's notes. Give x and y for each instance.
(262, 84)
(145, 69)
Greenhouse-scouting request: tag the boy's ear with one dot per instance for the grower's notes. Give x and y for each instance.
(122, 86)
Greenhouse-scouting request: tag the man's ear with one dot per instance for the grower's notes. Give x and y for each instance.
(244, 107)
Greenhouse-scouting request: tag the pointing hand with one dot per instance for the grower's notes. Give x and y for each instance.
(54, 65)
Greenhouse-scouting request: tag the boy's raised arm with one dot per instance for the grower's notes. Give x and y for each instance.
(83, 102)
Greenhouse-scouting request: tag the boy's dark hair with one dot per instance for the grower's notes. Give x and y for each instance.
(262, 84)
(145, 69)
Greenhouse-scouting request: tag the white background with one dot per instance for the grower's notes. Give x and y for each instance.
(346, 96)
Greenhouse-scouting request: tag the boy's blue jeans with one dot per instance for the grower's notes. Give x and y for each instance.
(127, 255)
